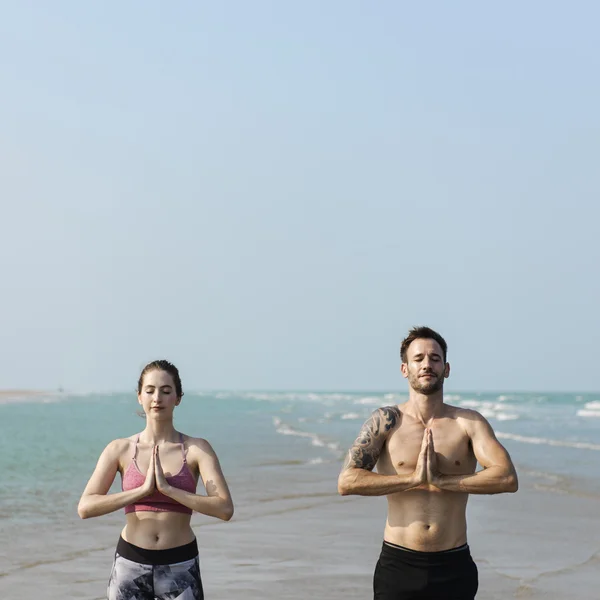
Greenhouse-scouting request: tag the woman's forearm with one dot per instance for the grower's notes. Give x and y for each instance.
(96, 505)
(212, 506)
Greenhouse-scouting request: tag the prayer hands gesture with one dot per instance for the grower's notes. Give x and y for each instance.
(149, 484)
(426, 470)
(155, 476)
(161, 481)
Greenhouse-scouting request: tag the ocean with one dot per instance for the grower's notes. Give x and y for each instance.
(280, 451)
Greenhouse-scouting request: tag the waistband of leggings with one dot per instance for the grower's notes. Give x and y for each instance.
(168, 556)
(416, 556)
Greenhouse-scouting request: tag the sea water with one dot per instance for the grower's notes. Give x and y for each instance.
(276, 448)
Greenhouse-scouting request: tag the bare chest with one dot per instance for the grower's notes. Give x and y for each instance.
(452, 447)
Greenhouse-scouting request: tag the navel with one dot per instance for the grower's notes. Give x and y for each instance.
(457, 462)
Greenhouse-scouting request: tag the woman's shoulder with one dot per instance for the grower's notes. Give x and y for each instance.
(120, 445)
(197, 444)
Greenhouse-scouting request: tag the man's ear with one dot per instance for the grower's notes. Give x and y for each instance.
(404, 370)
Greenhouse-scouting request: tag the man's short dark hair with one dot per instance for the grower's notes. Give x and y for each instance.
(422, 333)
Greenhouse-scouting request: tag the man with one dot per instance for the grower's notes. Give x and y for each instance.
(426, 453)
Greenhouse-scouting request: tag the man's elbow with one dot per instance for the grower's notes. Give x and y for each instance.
(511, 483)
(345, 484)
(343, 489)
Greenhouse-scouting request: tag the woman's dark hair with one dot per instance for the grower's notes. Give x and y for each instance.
(162, 365)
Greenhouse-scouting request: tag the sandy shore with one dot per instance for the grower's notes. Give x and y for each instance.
(21, 393)
(535, 544)
(7, 396)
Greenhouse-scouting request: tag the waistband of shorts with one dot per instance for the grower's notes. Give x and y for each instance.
(168, 556)
(409, 555)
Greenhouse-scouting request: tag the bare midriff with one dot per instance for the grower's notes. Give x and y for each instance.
(427, 521)
(158, 530)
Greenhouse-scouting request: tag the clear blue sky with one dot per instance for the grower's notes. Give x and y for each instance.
(270, 194)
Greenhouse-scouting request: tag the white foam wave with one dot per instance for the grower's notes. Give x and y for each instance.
(369, 400)
(326, 397)
(315, 440)
(490, 410)
(595, 405)
(591, 409)
(470, 403)
(451, 397)
(395, 398)
(547, 442)
(350, 416)
(588, 413)
(506, 416)
(487, 413)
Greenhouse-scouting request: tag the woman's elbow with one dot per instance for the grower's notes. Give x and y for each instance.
(227, 512)
(83, 511)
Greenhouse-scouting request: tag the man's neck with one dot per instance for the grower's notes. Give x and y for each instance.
(426, 408)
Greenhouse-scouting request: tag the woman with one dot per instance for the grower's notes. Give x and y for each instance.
(157, 553)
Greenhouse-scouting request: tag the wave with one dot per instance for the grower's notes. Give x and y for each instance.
(369, 400)
(350, 416)
(315, 440)
(588, 413)
(490, 410)
(506, 416)
(547, 442)
(296, 396)
(452, 397)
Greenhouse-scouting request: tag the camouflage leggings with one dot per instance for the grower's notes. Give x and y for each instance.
(133, 580)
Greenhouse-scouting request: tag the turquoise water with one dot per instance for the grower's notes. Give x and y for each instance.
(49, 445)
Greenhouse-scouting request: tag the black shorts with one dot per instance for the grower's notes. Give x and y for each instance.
(404, 574)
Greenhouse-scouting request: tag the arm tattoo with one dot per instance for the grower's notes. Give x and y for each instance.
(367, 446)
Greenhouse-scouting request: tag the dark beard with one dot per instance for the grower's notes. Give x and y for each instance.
(426, 388)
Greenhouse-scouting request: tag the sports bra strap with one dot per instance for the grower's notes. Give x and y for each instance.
(182, 446)
(135, 443)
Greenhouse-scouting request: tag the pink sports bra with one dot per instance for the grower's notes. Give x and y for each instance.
(158, 502)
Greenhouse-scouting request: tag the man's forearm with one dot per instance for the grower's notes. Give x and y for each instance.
(493, 480)
(366, 483)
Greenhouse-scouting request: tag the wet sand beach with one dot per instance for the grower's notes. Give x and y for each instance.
(312, 543)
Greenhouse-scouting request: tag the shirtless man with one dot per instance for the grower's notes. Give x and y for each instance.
(426, 453)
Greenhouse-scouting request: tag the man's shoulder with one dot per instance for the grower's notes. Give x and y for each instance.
(392, 410)
(468, 418)
(387, 417)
